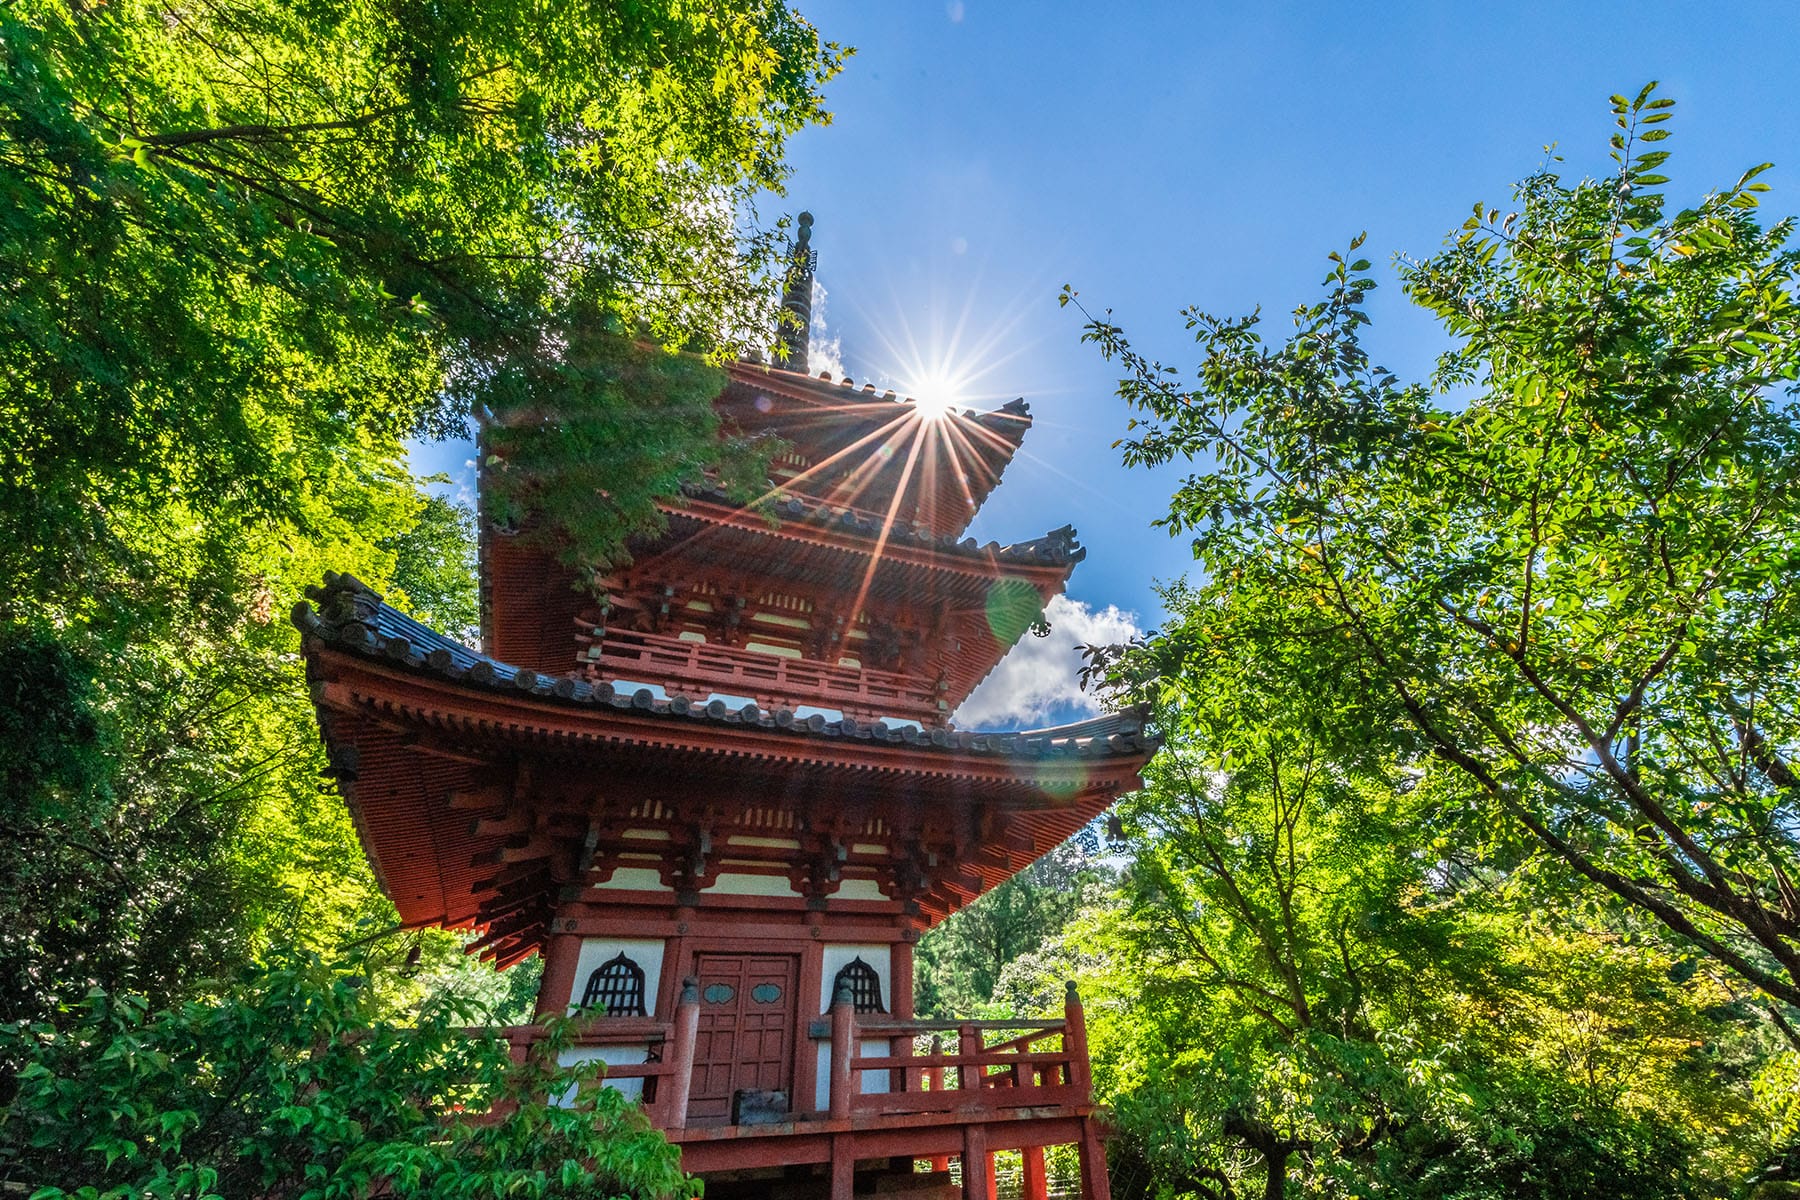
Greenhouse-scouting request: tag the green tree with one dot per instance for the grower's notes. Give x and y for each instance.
(295, 1084)
(961, 961)
(1559, 580)
(252, 246)
(1294, 993)
(434, 568)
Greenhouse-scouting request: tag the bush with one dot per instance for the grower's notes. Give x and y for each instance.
(293, 1087)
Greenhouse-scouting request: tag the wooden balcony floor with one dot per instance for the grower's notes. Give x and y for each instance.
(863, 1136)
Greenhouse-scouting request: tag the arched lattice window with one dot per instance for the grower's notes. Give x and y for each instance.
(864, 985)
(618, 985)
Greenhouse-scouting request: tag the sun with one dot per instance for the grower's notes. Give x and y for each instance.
(936, 395)
(934, 405)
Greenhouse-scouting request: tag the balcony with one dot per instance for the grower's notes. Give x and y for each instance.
(696, 669)
(941, 1088)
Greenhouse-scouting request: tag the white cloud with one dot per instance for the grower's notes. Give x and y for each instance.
(824, 349)
(1038, 682)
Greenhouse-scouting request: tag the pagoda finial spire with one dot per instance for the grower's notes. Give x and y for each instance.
(796, 300)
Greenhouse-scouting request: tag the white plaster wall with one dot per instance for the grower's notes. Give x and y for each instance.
(648, 954)
(766, 843)
(860, 889)
(836, 958)
(617, 1056)
(736, 883)
(637, 879)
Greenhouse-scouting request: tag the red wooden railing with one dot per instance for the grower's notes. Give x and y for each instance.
(684, 668)
(1037, 1065)
(664, 1102)
(1043, 1064)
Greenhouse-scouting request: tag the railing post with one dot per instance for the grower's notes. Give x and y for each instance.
(968, 1043)
(900, 1079)
(843, 1034)
(1075, 1044)
(687, 1026)
(1095, 1185)
(934, 1080)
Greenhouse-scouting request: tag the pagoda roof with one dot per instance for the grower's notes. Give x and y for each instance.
(1058, 548)
(825, 419)
(369, 628)
(415, 721)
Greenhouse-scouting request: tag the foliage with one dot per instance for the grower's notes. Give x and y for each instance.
(434, 568)
(589, 443)
(294, 1085)
(1290, 991)
(252, 245)
(1467, 871)
(1559, 583)
(164, 821)
(959, 963)
(115, 826)
(251, 248)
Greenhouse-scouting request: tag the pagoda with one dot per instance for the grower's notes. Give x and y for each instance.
(719, 790)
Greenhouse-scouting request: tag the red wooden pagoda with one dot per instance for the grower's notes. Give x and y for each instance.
(719, 791)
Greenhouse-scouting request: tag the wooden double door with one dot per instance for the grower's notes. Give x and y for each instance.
(745, 1041)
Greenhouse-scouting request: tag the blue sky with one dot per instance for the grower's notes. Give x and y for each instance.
(1154, 155)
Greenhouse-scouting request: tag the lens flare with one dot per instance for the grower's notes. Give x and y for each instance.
(937, 393)
(934, 405)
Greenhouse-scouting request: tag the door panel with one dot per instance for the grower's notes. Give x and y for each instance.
(745, 1037)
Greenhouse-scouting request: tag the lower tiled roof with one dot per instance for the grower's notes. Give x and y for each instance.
(353, 618)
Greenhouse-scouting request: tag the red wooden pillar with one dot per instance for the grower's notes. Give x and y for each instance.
(843, 1049)
(977, 1164)
(806, 1049)
(1094, 1183)
(681, 1078)
(557, 987)
(900, 960)
(1036, 1182)
(843, 1167)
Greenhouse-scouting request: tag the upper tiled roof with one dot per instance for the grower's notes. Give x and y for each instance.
(1058, 548)
(822, 418)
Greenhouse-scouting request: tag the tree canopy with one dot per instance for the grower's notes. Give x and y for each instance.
(1468, 867)
(1557, 579)
(255, 245)
(251, 249)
